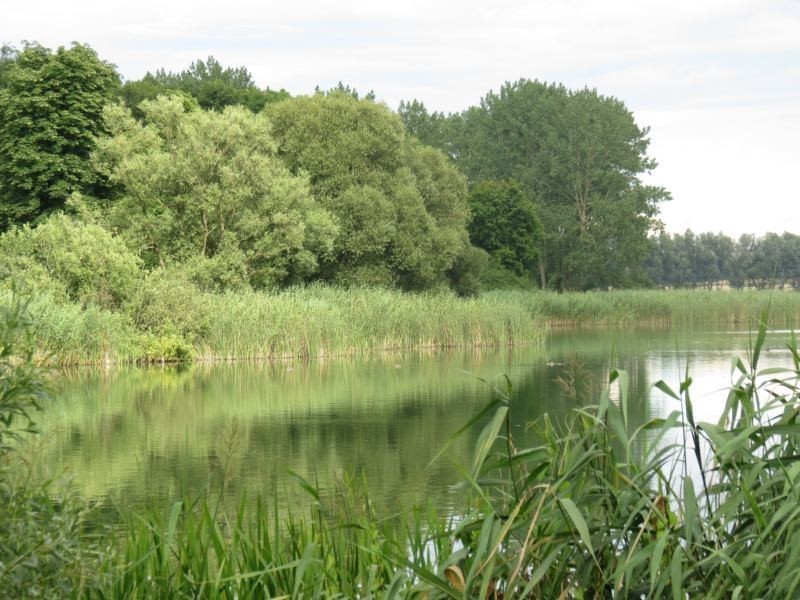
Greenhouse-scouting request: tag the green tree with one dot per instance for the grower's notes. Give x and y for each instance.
(50, 115)
(212, 85)
(431, 128)
(505, 223)
(206, 189)
(401, 206)
(581, 155)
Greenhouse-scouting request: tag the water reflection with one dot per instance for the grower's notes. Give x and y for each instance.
(150, 436)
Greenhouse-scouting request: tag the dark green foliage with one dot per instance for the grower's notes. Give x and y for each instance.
(505, 223)
(50, 113)
(213, 87)
(466, 274)
(498, 277)
(400, 206)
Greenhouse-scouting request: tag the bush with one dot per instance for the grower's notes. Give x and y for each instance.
(168, 348)
(168, 304)
(81, 260)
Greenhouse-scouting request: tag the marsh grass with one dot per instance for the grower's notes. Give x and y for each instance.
(659, 307)
(70, 334)
(323, 321)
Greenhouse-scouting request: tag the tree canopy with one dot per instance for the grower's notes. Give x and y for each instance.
(401, 207)
(212, 85)
(51, 107)
(506, 224)
(709, 259)
(207, 190)
(579, 154)
(241, 186)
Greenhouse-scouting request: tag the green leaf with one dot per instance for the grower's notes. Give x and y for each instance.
(676, 574)
(487, 438)
(578, 521)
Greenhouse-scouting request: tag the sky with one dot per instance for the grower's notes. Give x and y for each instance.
(717, 81)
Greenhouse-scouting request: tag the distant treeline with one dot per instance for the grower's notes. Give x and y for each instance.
(714, 259)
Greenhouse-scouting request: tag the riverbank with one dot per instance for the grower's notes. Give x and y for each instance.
(320, 321)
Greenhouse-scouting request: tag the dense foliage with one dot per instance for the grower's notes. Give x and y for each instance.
(212, 85)
(578, 155)
(401, 207)
(709, 260)
(51, 106)
(506, 223)
(80, 262)
(206, 190)
(131, 222)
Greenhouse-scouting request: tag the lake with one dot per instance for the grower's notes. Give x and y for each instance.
(141, 437)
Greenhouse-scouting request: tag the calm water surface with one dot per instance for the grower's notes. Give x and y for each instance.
(147, 437)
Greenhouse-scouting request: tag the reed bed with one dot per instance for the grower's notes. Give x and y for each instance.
(320, 321)
(325, 321)
(658, 307)
(67, 333)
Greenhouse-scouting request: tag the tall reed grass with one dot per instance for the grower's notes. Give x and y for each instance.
(326, 321)
(658, 307)
(317, 321)
(67, 333)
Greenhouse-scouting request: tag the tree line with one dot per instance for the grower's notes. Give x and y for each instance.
(203, 177)
(713, 259)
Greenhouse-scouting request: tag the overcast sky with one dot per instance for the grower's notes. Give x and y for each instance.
(717, 81)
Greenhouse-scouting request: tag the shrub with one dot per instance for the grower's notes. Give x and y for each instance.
(81, 260)
(168, 304)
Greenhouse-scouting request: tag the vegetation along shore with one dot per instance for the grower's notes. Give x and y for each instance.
(597, 506)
